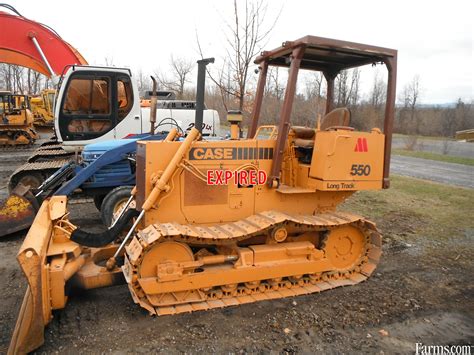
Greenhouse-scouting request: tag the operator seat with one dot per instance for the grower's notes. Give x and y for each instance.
(303, 141)
(337, 118)
(305, 137)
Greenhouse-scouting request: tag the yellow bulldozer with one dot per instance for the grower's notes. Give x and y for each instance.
(42, 109)
(217, 223)
(16, 125)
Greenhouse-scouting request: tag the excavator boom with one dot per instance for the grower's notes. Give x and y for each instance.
(27, 43)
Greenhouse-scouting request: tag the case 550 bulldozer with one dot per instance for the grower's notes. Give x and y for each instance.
(208, 231)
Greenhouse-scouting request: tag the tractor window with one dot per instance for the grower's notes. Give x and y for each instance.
(124, 97)
(87, 97)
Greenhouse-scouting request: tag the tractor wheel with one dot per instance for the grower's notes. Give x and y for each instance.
(113, 202)
(98, 199)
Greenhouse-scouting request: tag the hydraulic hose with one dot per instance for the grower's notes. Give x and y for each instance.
(95, 240)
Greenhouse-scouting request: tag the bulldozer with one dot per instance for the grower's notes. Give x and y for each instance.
(42, 109)
(16, 125)
(212, 224)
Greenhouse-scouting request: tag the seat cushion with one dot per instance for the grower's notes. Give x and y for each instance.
(303, 132)
(304, 143)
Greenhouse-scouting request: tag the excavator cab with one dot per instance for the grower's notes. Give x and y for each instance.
(93, 101)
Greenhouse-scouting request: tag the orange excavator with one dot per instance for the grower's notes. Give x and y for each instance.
(33, 45)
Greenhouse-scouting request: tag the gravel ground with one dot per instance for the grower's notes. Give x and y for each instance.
(439, 171)
(418, 294)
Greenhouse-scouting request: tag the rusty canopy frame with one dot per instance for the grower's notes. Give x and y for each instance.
(329, 56)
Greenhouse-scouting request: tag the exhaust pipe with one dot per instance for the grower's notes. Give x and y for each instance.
(200, 90)
(153, 105)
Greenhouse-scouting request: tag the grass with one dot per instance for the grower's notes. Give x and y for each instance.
(434, 156)
(436, 138)
(413, 207)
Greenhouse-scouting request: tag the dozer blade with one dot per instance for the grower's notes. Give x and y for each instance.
(35, 312)
(18, 211)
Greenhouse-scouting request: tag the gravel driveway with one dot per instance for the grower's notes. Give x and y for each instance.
(446, 173)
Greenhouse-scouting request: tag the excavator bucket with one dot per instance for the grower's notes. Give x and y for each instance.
(35, 311)
(18, 211)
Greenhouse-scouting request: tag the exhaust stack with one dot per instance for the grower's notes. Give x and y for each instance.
(201, 81)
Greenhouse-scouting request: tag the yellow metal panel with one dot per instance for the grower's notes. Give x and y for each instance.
(346, 156)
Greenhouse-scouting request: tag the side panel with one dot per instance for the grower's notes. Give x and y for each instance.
(192, 200)
(346, 160)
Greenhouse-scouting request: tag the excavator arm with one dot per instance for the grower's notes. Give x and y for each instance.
(33, 45)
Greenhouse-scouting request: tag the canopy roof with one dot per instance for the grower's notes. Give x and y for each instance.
(327, 55)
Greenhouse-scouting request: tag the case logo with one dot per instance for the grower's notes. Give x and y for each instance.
(244, 153)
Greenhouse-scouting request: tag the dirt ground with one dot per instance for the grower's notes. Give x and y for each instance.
(422, 292)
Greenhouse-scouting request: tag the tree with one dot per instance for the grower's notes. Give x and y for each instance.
(181, 69)
(20, 80)
(273, 85)
(314, 92)
(347, 88)
(411, 97)
(378, 91)
(143, 81)
(245, 37)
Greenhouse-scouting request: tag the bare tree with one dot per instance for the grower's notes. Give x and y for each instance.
(354, 91)
(411, 97)
(181, 69)
(245, 38)
(314, 92)
(5, 77)
(341, 88)
(109, 61)
(273, 85)
(18, 80)
(143, 81)
(347, 87)
(378, 91)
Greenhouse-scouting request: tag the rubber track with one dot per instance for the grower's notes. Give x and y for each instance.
(49, 153)
(246, 228)
(45, 165)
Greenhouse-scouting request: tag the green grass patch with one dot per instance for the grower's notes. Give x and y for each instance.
(423, 138)
(433, 156)
(413, 207)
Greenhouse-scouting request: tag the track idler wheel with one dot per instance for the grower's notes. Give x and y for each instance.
(164, 258)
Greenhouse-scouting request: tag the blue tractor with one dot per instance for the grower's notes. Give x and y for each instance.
(105, 172)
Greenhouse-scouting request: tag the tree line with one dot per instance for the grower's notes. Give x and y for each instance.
(231, 84)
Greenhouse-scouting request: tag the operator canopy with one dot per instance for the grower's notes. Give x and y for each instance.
(326, 55)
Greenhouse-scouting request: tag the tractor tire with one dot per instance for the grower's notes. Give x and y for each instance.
(98, 199)
(112, 203)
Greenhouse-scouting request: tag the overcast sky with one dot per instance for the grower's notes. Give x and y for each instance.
(434, 39)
